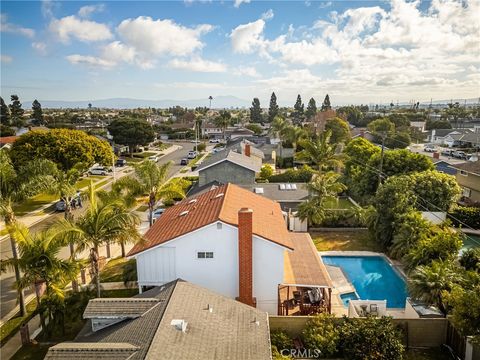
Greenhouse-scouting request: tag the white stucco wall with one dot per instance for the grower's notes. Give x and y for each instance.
(178, 259)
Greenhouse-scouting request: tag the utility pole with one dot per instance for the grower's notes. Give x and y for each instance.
(384, 136)
(113, 162)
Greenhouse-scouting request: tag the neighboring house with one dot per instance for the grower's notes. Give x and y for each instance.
(229, 166)
(362, 132)
(319, 121)
(444, 166)
(288, 195)
(7, 141)
(468, 177)
(233, 133)
(439, 136)
(211, 131)
(471, 140)
(418, 125)
(179, 320)
(233, 242)
(243, 146)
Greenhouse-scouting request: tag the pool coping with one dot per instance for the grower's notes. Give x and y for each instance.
(395, 265)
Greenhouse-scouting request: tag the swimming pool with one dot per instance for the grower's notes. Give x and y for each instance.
(470, 242)
(373, 278)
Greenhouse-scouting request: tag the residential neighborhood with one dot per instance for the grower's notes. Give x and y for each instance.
(240, 180)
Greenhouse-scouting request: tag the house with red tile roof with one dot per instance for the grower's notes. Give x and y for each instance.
(231, 241)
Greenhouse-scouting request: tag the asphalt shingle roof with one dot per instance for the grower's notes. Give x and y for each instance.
(93, 351)
(469, 166)
(118, 307)
(233, 157)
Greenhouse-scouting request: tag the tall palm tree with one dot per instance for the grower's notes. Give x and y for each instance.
(428, 283)
(324, 187)
(151, 179)
(320, 152)
(16, 186)
(40, 263)
(103, 222)
(223, 121)
(278, 126)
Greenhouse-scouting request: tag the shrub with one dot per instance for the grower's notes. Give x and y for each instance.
(280, 339)
(465, 215)
(266, 171)
(201, 147)
(372, 339)
(323, 333)
(470, 259)
(303, 174)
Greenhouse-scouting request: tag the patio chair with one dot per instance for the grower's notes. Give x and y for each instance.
(374, 309)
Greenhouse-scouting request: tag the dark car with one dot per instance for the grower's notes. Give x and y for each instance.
(121, 163)
(184, 162)
(60, 205)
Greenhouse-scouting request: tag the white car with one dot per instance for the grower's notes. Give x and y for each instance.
(153, 158)
(157, 213)
(192, 155)
(429, 148)
(99, 170)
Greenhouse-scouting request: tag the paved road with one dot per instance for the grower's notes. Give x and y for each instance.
(8, 296)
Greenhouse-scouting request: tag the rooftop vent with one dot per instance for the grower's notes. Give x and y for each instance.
(180, 325)
(258, 190)
(209, 308)
(183, 213)
(192, 201)
(218, 195)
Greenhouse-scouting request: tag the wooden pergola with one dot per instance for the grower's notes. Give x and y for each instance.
(307, 287)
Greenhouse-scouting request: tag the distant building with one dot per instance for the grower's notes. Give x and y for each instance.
(319, 121)
(468, 177)
(7, 141)
(445, 136)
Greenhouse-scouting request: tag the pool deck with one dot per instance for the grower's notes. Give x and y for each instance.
(341, 284)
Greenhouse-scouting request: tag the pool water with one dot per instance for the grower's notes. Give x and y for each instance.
(373, 278)
(470, 242)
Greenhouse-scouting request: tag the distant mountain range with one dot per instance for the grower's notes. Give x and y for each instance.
(218, 102)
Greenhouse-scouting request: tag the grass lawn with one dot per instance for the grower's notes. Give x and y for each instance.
(113, 270)
(344, 241)
(343, 204)
(194, 161)
(11, 326)
(101, 183)
(33, 203)
(144, 155)
(427, 354)
(133, 160)
(86, 181)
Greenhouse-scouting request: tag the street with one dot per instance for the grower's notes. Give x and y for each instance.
(8, 296)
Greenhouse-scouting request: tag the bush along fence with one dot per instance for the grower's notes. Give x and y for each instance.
(463, 215)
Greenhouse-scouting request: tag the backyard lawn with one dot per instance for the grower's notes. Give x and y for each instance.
(113, 270)
(341, 203)
(358, 240)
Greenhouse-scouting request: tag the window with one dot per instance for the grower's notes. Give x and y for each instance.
(205, 255)
(219, 225)
(463, 172)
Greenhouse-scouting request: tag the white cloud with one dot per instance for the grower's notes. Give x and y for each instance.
(267, 15)
(5, 26)
(40, 47)
(325, 4)
(237, 3)
(86, 11)
(161, 37)
(90, 61)
(248, 38)
(198, 65)
(6, 59)
(83, 30)
(47, 8)
(116, 52)
(246, 71)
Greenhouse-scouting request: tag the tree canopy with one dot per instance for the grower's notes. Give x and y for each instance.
(4, 113)
(339, 128)
(273, 109)
(326, 104)
(64, 147)
(131, 132)
(256, 111)
(37, 115)
(16, 111)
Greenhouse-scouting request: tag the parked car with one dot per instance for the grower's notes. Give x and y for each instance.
(447, 152)
(98, 170)
(460, 155)
(60, 205)
(214, 141)
(121, 163)
(429, 148)
(184, 162)
(157, 213)
(216, 150)
(153, 158)
(192, 154)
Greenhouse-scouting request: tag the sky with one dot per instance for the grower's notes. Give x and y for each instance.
(356, 51)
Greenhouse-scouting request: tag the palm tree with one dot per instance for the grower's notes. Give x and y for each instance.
(223, 121)
(278, 126)
(103, 222)
(428, 283)
(324, 187)
(320, 152)
(16, 186)
(293, 135)
(40, 263)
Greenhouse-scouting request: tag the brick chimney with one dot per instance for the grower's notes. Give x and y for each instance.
(245, 257)
(247, 150)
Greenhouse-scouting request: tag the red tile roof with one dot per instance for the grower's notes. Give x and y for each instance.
(8, 139)
(220, 204)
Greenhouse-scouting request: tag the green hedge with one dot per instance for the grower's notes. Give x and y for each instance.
(302, 175)
(462, 215)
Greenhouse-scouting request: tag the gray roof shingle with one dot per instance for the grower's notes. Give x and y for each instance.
(118, 307)
(234, 157)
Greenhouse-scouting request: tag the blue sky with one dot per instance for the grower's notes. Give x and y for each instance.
(358, 52)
